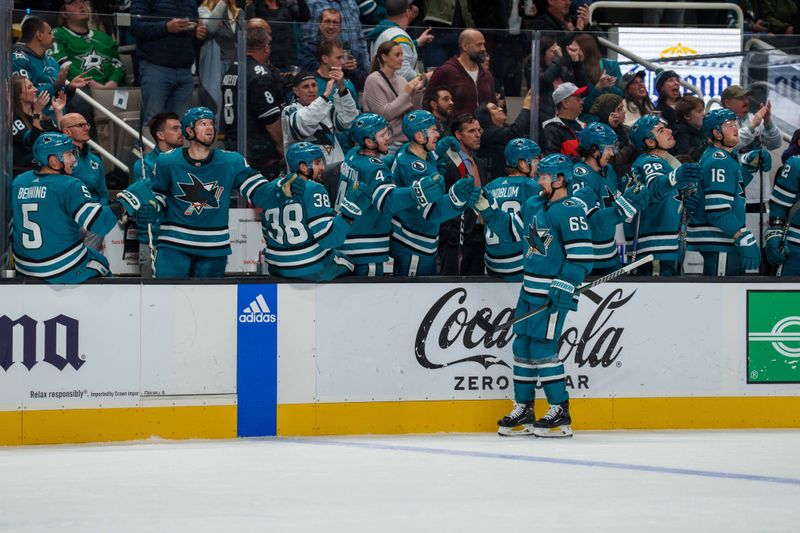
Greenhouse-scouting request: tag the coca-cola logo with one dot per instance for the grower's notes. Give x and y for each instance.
(595, 343)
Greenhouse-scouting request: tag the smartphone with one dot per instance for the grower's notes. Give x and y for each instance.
(348, 55)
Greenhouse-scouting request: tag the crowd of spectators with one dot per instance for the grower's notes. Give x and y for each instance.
(314, 65)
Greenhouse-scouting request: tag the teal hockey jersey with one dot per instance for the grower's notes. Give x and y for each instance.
(603, 233)
(785, 194)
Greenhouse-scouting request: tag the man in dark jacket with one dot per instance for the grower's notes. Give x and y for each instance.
(469, 83)
(560, 133)
(165, 31)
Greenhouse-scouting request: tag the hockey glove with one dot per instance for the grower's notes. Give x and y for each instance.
(483, 203)
(352, 202)
(137, 195)
(147, 214)
(776, 254)
(560, 296)
(586, 198)
(634, 200)
(428, 189)
(686, 175)
(292, 185)
(758, 159)
(446, 143)
(461, 191)
(691, 201)
(748, 248)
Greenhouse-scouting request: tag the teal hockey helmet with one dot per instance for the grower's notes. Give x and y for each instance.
(192, 115)
(555, 164)
(714, 119)
(302, 152)
(366, 126)
(417, 120)
(643, 129)
(521, 148)
(597, 134)
(49, 144)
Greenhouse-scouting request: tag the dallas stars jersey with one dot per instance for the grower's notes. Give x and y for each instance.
(723, 214)
(89, 169)
(603, 233)
(660, 223)
(41, 70)
(368, 239)
(93, 53)
(555, 239)
(49, 210)
(510, 193)
(196, 197)
(785, 194)
(416, 231)
(302, 232)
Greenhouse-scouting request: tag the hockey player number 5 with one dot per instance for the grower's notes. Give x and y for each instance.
(286, 222)
(32, 237)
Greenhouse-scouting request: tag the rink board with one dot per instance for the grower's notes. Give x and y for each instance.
(132, 361)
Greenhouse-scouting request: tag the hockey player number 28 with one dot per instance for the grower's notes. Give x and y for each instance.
(32, 237)
(509, 206)
(286, 222)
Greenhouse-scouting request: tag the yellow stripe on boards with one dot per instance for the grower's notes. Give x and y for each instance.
(105, 425)
(587, 414)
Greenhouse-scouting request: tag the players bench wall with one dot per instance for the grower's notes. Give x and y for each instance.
(122, 361)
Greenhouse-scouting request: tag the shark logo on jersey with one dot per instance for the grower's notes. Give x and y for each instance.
(199, 195)
(538, 240)
(608, 197)
(419, 166)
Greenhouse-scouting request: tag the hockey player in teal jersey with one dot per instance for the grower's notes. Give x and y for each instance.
(193, 187)
(415, 233)
(657, 229)
(718, 229)
(554, 234)
(367, 243)
(782, 242)
(303, 232)
(50, 208)
(510, 193)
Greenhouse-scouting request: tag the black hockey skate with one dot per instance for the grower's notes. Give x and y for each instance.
(556, 423)
(518, 423)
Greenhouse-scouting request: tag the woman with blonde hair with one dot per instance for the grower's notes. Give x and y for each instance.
(389, 94)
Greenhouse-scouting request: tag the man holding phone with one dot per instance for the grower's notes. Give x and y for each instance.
(166, 32)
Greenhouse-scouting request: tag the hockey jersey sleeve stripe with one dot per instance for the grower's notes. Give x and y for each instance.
(427, 210)
(411, 233)
(720, 196)
(718, 207)
(269, 113)
(52, 260)
(252, 183)
(194, 244)
(324, 230)
(779, 201)
(300, 262)
(32, 270)
(200, 232)
(313, 247)
(86, 211)
(415, 246)
(380, 193)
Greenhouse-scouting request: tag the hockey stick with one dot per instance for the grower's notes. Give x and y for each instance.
(684, 229)
(776, 271)
(583, 288)
(144, 177)
(456, 159)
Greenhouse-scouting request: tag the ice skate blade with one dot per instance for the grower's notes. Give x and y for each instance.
(525, 430)
(559, 432)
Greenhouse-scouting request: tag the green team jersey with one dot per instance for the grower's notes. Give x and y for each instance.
(94, 53)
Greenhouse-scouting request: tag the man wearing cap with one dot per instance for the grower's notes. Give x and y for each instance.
(316, 117)
(560, 133)
(637, 101)
(668, 87)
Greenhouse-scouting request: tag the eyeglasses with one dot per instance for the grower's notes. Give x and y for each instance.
(78, 125)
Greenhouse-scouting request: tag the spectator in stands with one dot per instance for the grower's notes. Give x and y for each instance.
(603, 73)
(315, 117)
(29, 121)
(793, 148)
(283, 14)
(32, 58)
(469, 83)
(690, 141)
(218, 51)
(508, 44)
(610, 109)
(329, 29)
(780, 15)
(399, 14)
(662, 17)
(88, 168)
(440, 104)
(372, 11)
(264, 101)
(461, 239)
(92, 53)
(166, 33)
(668, 87)
(553, 16)
(557, 69)
(445, 17)
(755, 126)
(637, 100)
(560, 133)
(331, 58)
(351, 32)
(390, 95)
(496, 133)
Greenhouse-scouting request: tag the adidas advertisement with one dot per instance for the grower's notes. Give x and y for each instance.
(257, 359)
(773, 336)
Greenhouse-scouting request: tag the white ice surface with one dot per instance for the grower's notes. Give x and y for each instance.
(672, 481)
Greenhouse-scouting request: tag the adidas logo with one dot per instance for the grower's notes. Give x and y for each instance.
(257, 312)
